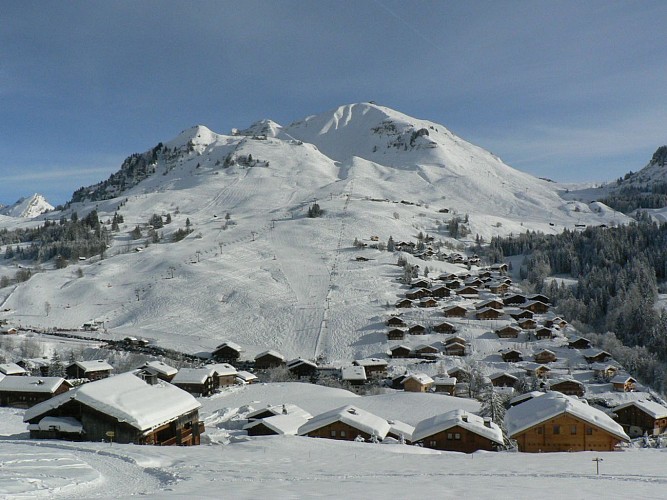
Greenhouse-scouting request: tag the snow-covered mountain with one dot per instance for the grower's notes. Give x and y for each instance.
(28, 207)
(255, 269)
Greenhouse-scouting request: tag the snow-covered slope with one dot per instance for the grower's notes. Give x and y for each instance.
(255, 269)
(29, 207)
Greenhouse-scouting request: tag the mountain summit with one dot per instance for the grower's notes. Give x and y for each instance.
(28, 207)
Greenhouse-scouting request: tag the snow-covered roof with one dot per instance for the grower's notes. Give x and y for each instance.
(160, 368)
(284, 409)
(444, 380)
(622, 378)
(96, 365)
(126, 398)
(192, 375)
(275, 354)
(422, 378)
(246, 376)
(655, 410)
(282, 424)
(460, 418)
(222, 369)
(397, 428)
(367, 362)
(351, 415)
(525, 397)
(12, 369)
(62, 424)
(300, 361)
(537, 410)
(31, 384)
(356, 373)
(231, 345)
(502, 374)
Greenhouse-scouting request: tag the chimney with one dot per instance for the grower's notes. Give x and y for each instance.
(464, 417)
(487, 422)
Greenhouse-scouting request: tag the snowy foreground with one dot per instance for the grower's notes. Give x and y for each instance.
(234, 466)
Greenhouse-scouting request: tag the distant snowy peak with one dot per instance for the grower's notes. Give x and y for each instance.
(376, 133)
(199, 135)
(266, 128)
(29, 207)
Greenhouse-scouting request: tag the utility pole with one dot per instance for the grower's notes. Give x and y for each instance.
(597, 461)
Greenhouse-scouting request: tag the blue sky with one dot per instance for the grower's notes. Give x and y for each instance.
(569, 90)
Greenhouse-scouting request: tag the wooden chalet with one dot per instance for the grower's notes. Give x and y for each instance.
(459, 373)
(9, 330)
(527, 324)
(269, 359)
(596, 356)
(396, 322)
(444, 327)
(500, 268)
(568, 386)
(375, 367)
(404, 304)
(545, 356)
(503, 379)
(511, 355)
(538, 297)
(227, 352)
(420, 283)
(347, 423)
(426, 351)
(428, 302)
(555, 422)
(440, 292)
(489, 313)
(497, 287)
(395, 334)
(455, 349)
(641, 417)
(161, 370)
(417, 382)
(455, 339)
(604, 371)
(455, 311)
(224, 374)
(467, 290)
(544, 333)
(196, 381)
(453, 284)
(521, 314)
(125, 406)
(24, 392)
(417, 330)
(302, 368)
(508, 332)
(458, 430)
(418, 294)
(446, 277)
(493, 303)
(92, 370)
(473, 282)
(579, 343)
(535, 306)
(445, 385)
(623, 382)
(400, 351)
(536, 369)
(514, 299)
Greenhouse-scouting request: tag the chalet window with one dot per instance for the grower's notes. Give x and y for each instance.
(539, 430)
(333, 434)
(432, 444)
(342, 434)
(556, 429)
(573, 429)
(450, 436)
(457, 436)
(589, 431)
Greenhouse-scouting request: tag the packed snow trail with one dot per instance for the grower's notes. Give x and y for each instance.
(65, 470)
